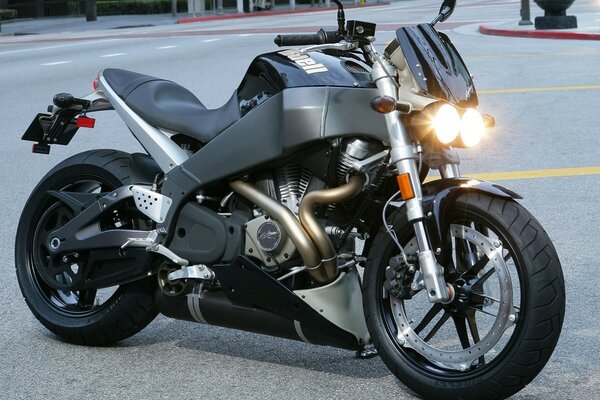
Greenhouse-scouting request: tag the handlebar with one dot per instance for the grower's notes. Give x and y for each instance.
(321, 37)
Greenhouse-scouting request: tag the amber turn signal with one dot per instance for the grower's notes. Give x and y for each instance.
(489, 121)
(383, 104)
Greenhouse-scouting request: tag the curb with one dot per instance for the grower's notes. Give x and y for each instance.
(275, 12)
(488, 30)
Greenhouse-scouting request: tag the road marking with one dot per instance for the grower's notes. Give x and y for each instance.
(166, 47)
(210, 40)
(2, 53)
(56, 63)
(533, 174)
(112, 55)
(542, 89)
(518, 55)
(245, 35)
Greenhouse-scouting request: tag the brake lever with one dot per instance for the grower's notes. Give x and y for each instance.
(340, 46)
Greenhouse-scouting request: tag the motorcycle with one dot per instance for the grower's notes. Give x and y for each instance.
(300, 209)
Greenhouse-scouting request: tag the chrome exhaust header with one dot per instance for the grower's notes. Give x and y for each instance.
(308, 235)
(314, 228)
(290, 224)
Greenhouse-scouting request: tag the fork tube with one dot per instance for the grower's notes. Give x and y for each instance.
(449, 171)
(403, 156)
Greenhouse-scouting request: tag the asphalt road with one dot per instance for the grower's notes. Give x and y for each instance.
(173, 359)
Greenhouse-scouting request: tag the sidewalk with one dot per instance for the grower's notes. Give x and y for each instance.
(588, 28)
(79, 24)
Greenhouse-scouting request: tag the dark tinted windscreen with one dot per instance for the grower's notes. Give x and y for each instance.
(436, 65)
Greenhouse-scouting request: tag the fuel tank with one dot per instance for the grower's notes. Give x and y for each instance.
(271, 73)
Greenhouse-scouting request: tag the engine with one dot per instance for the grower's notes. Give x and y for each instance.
(354, 150)
(265, 237)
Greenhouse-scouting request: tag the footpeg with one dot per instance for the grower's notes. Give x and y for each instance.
(149, 243)
(193, 272)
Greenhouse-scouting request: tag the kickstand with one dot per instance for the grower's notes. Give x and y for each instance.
(367, 352)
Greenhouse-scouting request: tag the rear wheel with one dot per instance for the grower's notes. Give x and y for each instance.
(92, 316)
(504, 322)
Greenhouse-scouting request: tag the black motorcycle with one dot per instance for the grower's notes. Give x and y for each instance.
(299, 209)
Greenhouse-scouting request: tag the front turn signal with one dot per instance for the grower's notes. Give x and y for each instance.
(383, 104)
(387, 104)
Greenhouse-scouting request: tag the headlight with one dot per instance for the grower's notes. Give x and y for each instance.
(472, 127)
(446, 123)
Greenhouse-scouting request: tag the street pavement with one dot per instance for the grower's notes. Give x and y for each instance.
(543, 93)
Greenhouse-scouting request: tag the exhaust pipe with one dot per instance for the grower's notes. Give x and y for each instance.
(320, 261)
(290, 224)
(316, 231)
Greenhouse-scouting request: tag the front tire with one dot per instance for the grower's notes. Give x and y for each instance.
(530, 286)
(94, 316)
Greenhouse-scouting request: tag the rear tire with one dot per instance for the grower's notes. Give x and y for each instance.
(527, 345)
(79, 317)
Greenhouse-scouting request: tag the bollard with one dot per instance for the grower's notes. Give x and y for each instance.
(91, 11)
(525, 13)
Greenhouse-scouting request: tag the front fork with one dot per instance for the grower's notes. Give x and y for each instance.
(404, 156)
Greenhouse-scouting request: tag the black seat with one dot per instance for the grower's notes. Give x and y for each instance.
(167, 105)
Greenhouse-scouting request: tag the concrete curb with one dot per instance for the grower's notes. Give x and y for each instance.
(488, 30)
(268, 13)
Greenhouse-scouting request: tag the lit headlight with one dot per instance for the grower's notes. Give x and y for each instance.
(446, 123)
(472, 127)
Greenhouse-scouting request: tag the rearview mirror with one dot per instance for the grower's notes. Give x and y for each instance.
(446, 10)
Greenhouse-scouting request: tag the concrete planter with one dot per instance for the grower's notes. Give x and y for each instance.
(555, 15)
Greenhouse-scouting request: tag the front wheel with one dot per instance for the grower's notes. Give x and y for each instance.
(506, 317)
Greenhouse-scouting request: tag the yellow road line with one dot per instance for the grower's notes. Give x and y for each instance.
(531, 54)
(533, 174)
(542, 89)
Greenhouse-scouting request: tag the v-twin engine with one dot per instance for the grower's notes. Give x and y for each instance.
(274, 236)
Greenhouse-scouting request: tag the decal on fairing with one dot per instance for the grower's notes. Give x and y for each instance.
(304, 61)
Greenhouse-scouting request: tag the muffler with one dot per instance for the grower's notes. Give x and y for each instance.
(251, 300)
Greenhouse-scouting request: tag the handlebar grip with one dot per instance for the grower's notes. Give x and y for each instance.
(320, 37)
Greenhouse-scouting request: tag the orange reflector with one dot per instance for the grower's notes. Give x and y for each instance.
(406, 191)
(383, 104)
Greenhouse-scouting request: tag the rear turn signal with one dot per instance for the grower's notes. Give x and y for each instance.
(95, 83)
(406, 190)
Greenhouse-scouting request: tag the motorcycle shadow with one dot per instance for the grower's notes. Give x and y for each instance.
(284, 352)
(268, 349)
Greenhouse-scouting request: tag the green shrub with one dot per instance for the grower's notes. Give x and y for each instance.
(8, 14)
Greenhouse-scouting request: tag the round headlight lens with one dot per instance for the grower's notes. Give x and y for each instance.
(472, 128)
(446, 123)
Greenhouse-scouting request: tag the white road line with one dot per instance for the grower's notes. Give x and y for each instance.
(86, 43)
(165, 47)
(56, 63)
(210, 40)
(113, 55)
(245, 34)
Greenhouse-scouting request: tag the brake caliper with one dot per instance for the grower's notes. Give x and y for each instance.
(399, 276)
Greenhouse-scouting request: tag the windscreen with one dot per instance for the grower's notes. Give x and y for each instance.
(435, 63)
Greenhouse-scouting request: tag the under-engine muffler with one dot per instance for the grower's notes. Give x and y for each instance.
(251, 300)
